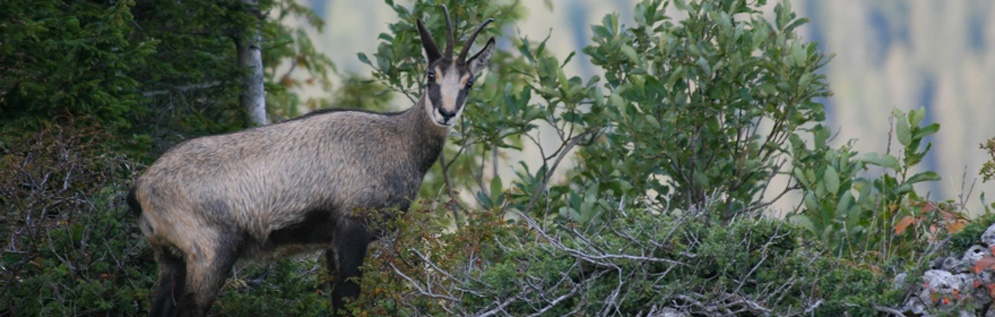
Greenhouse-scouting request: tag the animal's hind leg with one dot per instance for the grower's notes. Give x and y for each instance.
(172, 277)
(206, 272)
(344, 260)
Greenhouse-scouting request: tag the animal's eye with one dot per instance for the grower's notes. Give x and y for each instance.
(431, 75)
(469, 83)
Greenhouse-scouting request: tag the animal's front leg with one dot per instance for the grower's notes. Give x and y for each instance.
(344, 259)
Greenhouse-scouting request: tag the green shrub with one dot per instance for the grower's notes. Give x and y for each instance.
(988, 168)
(704, 105)
(287, 287)
(880, 219)
(669, 142)
(628, 265)
(971, 234)
(70, 245)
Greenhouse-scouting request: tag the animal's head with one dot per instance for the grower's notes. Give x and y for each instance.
(449, 78)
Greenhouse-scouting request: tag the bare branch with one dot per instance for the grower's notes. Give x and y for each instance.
(549, 173)
(888, 310)
(186, 88)
(453, 202)
(422, 291)
(500, 308)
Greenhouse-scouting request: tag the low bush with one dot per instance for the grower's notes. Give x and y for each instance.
(70, 245)
(633, 265)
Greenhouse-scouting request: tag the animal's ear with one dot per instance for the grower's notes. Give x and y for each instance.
(479, 61)
(431, 51)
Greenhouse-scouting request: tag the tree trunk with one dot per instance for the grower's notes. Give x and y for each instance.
(250, 56)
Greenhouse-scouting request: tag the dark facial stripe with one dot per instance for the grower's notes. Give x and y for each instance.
(434, 95)
(460, 98)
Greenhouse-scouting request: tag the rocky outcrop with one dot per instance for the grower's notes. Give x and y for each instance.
(963, 283)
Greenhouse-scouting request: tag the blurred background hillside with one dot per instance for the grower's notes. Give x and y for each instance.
(888, 54)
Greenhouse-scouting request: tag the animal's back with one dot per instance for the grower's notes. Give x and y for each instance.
(260, 180)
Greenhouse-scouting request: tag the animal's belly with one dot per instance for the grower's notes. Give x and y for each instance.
(272, 252)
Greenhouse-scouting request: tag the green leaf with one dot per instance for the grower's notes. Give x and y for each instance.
(675, 75)
(844, 205)
(804, 222)
(630, 53)
(927, 130)
(782, 14)
(916, 116)
(832, 180)
(798, 53)
(703, 65)
(923, 177)
(821, 135)
(797, 145)
(897, 113)
(567, 60)
(800, 176)
(496, 191)
(700, 179)
(526, 50)
(794, 24)
(616, 100)
(885, 160)
(653, 122)
(811, 204)
(681, 5)
(902, 131)
(562, 79)
(485, 201)
(904, 188)
(363, 59)
(805, 80)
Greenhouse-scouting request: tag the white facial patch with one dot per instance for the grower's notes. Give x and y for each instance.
(449, 86)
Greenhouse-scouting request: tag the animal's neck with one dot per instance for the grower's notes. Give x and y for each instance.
(426, 137)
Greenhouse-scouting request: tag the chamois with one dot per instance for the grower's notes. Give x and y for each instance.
(296, 186)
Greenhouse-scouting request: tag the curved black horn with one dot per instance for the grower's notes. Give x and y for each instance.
(449, 33)
(431, 51)
(469, 42)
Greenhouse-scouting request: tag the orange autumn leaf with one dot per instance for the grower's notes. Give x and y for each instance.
(904, 224)
(983, 264)
(287, 81)
(956, 226)
(876, 269)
